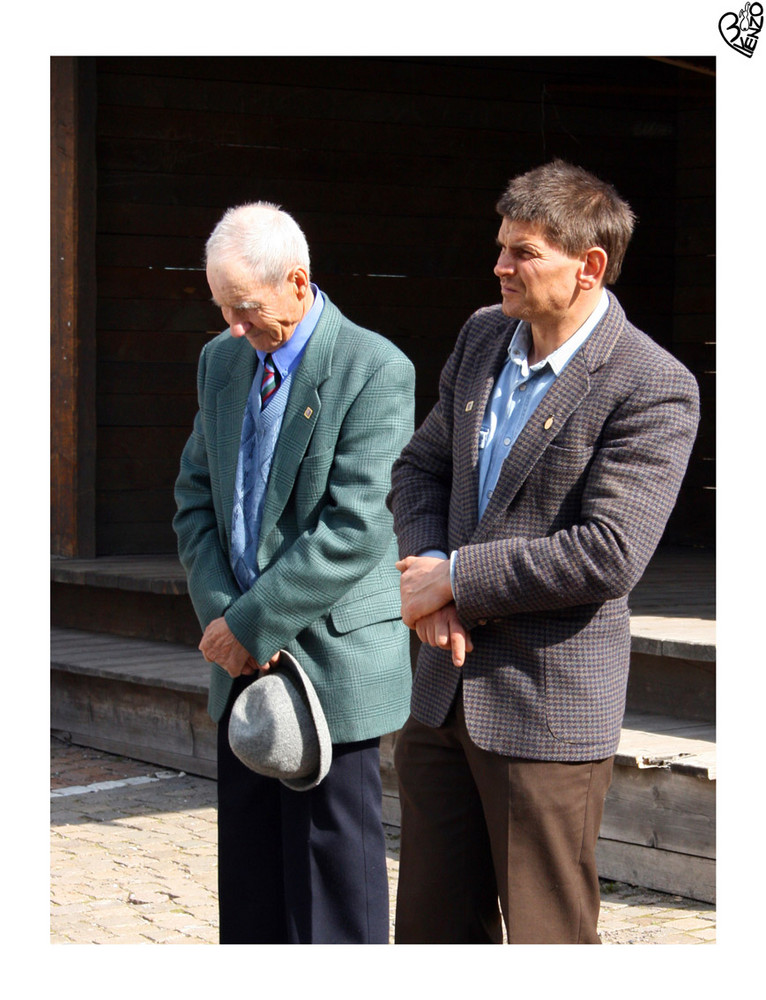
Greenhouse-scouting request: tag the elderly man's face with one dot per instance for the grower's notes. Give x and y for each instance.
(267, 316)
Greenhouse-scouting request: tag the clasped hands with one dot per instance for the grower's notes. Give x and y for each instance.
(428, 605)
(220, 645)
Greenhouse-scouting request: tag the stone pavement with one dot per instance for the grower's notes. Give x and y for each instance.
(133, 861)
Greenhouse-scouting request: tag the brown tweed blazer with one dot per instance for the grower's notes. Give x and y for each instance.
(542, 580)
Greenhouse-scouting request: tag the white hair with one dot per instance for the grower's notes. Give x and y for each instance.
(263, 237)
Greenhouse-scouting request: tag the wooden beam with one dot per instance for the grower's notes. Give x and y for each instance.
(663, 871)
(73, 306)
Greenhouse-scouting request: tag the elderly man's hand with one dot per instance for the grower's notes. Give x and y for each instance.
(444, 630)
(424, 585)
(220, 645)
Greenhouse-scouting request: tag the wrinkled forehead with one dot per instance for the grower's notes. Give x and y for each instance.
(517, 232)
(232, 283)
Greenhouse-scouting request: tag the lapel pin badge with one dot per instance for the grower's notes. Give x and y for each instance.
(308, 412)
(548, 423)
(469, 406)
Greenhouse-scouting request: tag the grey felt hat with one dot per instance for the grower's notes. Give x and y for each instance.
(278, 729)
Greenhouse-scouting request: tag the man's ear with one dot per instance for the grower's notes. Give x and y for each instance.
(592, 268)
(300, 279)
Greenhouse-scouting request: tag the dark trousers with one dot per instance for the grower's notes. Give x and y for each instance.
(477, 826)
(302, 867)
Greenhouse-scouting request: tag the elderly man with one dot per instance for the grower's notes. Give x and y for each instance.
(287, 544)
(527, 506)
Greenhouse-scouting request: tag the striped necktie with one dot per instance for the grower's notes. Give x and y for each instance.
(271, 380)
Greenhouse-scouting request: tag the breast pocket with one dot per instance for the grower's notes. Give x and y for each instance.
(568, 460)
(553, 491)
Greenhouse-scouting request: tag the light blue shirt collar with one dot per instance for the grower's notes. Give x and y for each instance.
(287, 356)
(518, 349)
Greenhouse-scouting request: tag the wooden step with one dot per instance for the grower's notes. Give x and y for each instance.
(137, 661)
(134, 697)
(133, 596)
(672, 606)
(658, 828)
(661, 741)
(147, 700)
(152, 574)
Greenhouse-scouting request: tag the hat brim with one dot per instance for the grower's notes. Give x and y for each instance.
(292, 671)
(289, 665)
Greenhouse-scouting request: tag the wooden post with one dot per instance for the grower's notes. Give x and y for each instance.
(73, 306)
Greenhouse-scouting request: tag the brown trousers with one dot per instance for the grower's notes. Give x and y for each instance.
(477, 826)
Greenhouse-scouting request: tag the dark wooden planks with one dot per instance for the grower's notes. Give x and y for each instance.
(694, 303)
(392, 166)
(127, 613)
(664, 871)
(155, 574)
(142, 721)
(678, 582)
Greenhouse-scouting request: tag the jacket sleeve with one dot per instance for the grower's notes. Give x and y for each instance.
(421, 479)
(212, 585)
(629, 493)
(351, 532)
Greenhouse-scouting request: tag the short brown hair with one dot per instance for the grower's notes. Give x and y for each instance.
(575, 209)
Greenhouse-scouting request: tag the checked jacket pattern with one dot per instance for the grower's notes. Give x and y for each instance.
(542, 579)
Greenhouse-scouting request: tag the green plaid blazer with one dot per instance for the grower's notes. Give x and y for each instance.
(542, 579)
(328, 590)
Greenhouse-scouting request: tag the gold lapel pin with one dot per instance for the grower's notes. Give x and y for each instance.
(548, 423)
(307, 413)
(469, 406)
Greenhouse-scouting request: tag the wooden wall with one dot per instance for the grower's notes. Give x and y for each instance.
(73, 308)
(392, 167)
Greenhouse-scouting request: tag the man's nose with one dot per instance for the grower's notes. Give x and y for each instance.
(239, 328)
(504, 265)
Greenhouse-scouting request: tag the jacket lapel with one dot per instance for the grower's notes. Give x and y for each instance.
(487, 367)
(301, 414)
(560, 401)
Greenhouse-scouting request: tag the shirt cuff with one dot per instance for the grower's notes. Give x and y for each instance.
(438, 554)
(434, 554)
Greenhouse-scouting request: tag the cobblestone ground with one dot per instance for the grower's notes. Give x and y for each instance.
(133, 861)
